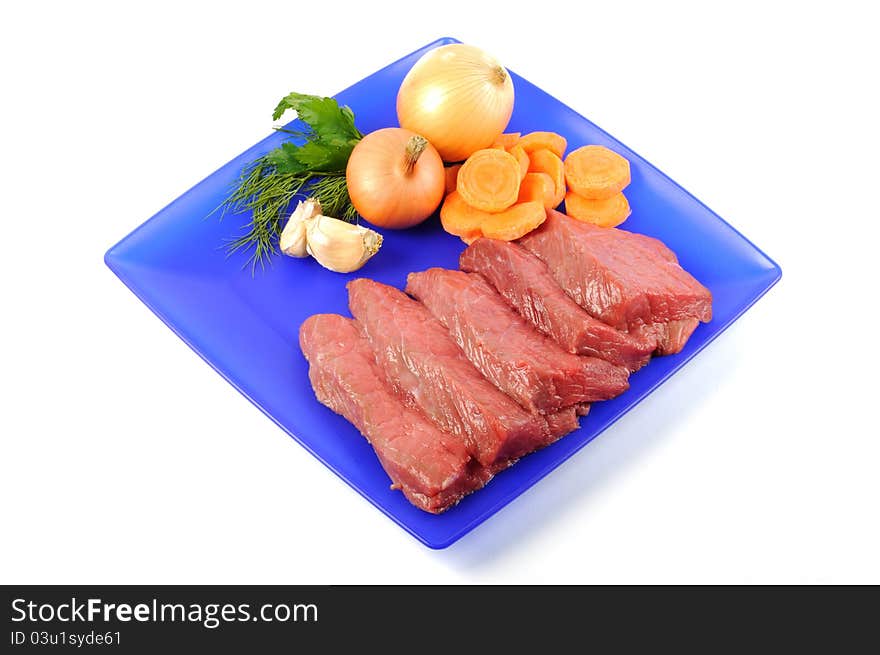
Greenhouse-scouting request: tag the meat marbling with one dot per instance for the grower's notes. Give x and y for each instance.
(528, 366)
(432, 468)
(526, 283)
(626, 280)
(423, 364)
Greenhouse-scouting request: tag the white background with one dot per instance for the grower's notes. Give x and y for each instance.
(125, 459)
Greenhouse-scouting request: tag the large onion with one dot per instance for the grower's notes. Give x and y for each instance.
(457, 97)
(395, 178)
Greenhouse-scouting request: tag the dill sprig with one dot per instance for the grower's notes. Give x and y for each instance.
(332, 192)
(267, 195)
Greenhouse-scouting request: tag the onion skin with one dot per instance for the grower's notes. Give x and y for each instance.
(458, 97)
(395, 178)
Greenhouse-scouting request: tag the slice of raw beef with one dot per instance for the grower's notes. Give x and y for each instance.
(433, 468)
(626, 280)
(526, 283)
(528, 366)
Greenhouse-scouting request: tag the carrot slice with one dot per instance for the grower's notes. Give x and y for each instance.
(451, 177)
(516, 150)
(608, 212)
(537, 187)
(506, 141)
(595, 172)
(552, 141)
(459, 218)
(489, 180)
(523, 159)
(545, 161)
(515, 222)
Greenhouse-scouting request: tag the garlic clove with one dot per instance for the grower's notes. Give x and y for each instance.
(339, 246)
(292, 241)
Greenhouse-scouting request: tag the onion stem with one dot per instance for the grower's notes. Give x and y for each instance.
(414, 149)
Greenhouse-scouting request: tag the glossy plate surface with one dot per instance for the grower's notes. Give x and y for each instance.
(246, 326)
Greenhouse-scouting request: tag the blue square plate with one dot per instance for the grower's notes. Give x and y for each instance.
(246, 326)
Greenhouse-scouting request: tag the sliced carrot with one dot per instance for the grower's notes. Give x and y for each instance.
(451, 177)
(515, 222)
(506, 141)
(608, 212)
(595, 172)
(537, 187)
(546, 161)
(553, 142)
(460, 219)
(489, 180)
(516, 150)
(523, 159)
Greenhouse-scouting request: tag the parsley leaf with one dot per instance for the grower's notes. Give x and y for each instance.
(285, 159)
(329, 140)
(324, 156)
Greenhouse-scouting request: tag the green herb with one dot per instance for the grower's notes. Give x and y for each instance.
(329, 141)
(332, 192)
(267, 186)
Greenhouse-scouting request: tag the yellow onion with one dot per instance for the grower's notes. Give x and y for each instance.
(458, 97)
(395, 178)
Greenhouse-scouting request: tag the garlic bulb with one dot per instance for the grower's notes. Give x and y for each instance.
(293, 238)
(340, 246)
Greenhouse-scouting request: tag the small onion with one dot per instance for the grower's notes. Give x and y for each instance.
(458, 97)
(395, 178)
